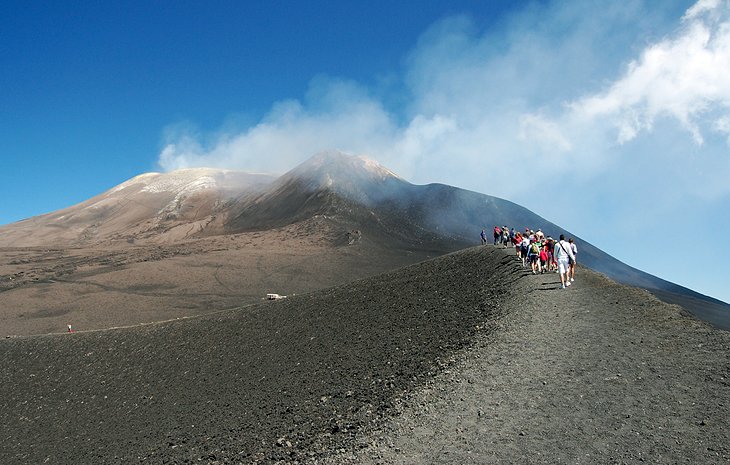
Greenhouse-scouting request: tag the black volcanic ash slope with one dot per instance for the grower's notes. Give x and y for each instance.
(276, 381)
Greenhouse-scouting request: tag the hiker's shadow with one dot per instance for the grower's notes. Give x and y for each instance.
(549, 286)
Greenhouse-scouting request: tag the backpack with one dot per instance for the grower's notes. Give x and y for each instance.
(535, 248)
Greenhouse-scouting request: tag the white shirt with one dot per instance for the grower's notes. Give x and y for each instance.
(562, 253)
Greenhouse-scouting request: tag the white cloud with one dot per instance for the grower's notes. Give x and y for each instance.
(683, 77)
(722, 126)
(702, 7)
(546, 87)
(534, 127)
(342, 116)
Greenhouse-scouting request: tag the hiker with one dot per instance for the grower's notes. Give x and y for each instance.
(483, 235)
(563, 254)
(534, 256)
(574, 248)
(517, 241)
(524, 245)
(497, 234)
(544, 258)
(552, 264)
(505, 236)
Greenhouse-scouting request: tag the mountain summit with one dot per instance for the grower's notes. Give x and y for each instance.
(330, 183)
(336, 169)
(356, 178)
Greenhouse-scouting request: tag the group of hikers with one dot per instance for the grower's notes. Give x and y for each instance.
(542, 254)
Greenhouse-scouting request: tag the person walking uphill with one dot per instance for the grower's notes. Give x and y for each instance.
(574, 248)
(563, 253)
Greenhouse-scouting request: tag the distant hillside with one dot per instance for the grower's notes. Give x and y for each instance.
(157, 207)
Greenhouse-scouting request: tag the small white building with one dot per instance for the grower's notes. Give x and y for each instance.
(275, 297)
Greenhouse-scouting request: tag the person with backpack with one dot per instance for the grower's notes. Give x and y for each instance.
(497, 234)
(483, 235)
(563, 254)
(534, 256)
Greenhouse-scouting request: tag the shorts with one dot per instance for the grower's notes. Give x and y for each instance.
(563, 266)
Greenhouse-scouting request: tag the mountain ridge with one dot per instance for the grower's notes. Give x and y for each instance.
(354, 193)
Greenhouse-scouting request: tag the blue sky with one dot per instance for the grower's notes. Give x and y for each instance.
(611, 119)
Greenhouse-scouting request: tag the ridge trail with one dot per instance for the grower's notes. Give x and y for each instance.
(596, 373)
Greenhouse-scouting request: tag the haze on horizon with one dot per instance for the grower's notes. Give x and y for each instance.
(610, 120)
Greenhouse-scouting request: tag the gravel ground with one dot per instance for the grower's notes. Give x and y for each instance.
(285, 380)
(597, 373)
(466, 358)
